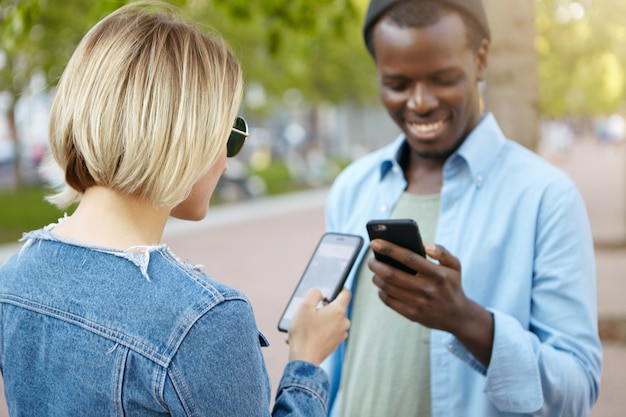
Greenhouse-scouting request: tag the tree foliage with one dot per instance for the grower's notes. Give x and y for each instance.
(582, 58)
(317, 48)
(39, 35)
(283, 44)
(314, 47)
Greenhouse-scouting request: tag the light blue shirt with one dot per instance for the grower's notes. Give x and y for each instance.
(520, 229)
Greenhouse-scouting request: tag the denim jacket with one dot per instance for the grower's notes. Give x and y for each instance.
(92, 331)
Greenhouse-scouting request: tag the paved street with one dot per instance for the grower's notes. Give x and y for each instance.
(262, 247)
(600, 172)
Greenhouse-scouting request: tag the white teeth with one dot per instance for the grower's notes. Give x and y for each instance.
(427, 127)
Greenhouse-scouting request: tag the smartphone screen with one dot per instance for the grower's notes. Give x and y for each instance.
(402, 232)
(327, 270)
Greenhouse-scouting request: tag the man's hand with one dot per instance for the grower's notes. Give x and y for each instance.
(433, 296)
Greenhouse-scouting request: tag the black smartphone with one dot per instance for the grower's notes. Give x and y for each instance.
(327, 270)
(402, 232)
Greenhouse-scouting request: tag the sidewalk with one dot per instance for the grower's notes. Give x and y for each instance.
(600, 172)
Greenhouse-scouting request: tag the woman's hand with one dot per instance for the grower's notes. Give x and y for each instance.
(314, 332)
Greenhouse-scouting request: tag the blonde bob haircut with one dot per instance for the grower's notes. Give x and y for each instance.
(144, 106)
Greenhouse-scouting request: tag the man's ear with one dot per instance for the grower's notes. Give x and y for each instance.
(481, 60)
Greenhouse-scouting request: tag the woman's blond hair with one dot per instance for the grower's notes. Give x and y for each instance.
(144, 107)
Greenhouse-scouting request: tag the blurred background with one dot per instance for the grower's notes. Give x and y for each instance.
(556, 83)
(556, 74)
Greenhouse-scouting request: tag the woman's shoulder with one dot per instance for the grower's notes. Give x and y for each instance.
(189, 279)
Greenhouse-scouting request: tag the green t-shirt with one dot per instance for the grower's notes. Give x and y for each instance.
(386, 369)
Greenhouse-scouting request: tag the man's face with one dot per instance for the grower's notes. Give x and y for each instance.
(428, 82)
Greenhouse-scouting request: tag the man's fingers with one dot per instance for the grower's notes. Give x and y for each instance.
(442, 255)
(404, 256)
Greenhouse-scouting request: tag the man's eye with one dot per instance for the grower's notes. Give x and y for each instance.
(395, 86)
(448, 80)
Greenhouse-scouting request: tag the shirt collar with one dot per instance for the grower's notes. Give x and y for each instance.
(479, 150)
(391, 155)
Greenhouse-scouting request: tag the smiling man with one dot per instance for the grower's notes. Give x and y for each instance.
(501, 319)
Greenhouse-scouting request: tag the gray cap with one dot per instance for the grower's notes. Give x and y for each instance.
(473, 8)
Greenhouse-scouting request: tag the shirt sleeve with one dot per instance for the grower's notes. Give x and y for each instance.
(219, 370)
(553, 367)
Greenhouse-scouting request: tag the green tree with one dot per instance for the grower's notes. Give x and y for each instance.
(312, 46)
(582, 59)
(38, 36)
(17, 58)
(315, 47)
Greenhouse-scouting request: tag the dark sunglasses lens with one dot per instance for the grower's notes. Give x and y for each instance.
(235, 143)
(237, 137)
(240, 124)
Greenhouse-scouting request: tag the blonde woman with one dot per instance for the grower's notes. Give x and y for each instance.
(97, 317)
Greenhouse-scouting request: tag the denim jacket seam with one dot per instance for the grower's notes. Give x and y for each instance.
(308, 389)
(180, 332)
(171, 371)
(181, 388)
(161, 358)
(198, 277)
(120, 366)
(114, 335)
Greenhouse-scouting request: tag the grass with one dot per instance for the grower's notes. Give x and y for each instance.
(24, 210)
(278, 180)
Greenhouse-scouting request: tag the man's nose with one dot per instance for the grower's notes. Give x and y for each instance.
(422, 99)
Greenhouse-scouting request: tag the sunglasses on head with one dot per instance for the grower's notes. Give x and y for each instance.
(237, 138)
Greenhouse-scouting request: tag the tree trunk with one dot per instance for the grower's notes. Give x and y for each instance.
(17, 159)
(512, 88)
